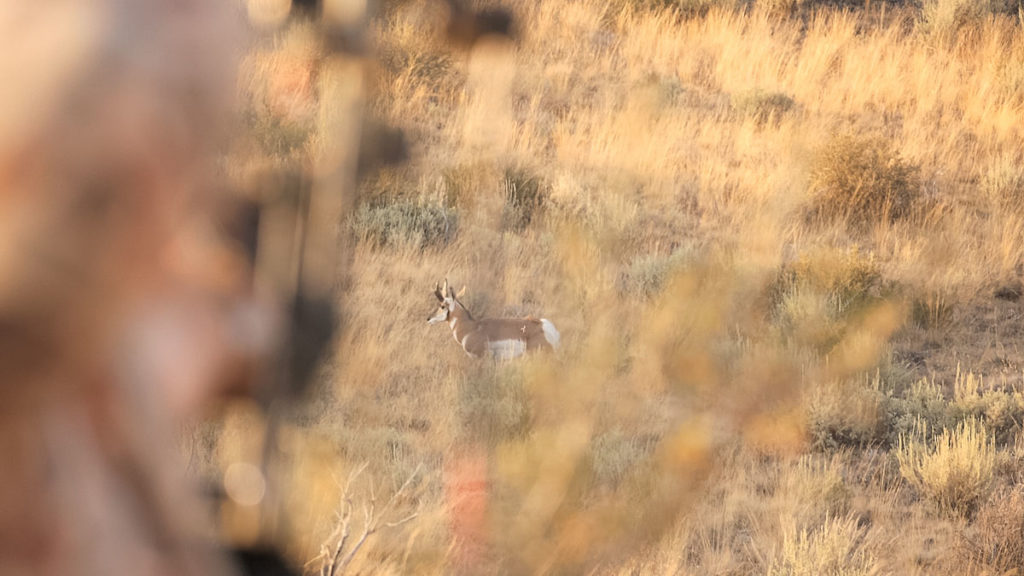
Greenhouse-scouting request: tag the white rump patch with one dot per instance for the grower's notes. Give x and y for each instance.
(506, 349)
(550, 332)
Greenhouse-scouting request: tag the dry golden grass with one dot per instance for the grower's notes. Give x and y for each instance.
(996, 540)
(732, 375)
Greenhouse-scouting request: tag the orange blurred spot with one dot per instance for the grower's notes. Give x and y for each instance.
(776, 433)
(689, 449)
(466, 490)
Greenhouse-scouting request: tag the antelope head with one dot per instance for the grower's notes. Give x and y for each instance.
(447, 300)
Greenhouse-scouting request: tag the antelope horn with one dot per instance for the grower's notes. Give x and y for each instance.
(437, 292)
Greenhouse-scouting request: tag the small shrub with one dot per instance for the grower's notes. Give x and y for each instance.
(955, 471)
(813, 298)
(847, 414)
(763, 107)
(946, 18)
(525, 198)
(1001, 410)
(782, 7)
(646, 275)
(920, 409)
(995, 541)
(861, 181)
(405, 223)
(848, 278)
(836, 548)
(700, 8)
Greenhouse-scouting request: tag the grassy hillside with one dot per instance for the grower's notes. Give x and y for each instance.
(782, 243)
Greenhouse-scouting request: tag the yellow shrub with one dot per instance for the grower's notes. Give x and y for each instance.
(956, 471)
(862, 180)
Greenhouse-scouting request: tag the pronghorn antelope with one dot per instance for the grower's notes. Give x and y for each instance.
(502, 338)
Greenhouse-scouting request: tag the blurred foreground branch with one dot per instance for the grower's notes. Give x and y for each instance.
(330, 559)
(127, 303)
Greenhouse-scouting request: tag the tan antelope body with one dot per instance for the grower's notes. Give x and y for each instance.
(502, 338)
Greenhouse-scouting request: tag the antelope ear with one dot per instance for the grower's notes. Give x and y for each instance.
(461, 292)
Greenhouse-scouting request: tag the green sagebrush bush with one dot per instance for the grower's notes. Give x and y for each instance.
(405, 222)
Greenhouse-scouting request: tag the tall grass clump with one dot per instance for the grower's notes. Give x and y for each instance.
(836, 548)
(525, 198)
(862, 181)
(932, 309)
(955, 471)
(818, 484)
(405, 222)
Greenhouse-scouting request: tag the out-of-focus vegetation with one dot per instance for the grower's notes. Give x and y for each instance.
(781, 241)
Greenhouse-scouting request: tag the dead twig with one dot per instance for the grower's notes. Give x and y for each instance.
(334, 547)
(328, 557)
